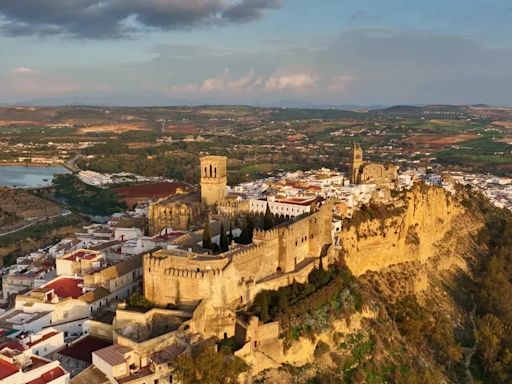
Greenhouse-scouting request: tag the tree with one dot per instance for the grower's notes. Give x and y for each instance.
(224, 242)
(231, 237)
(268, 219)
(250, 228)
(209, 366)
(489, 333)
(207, 237)
(247, 231)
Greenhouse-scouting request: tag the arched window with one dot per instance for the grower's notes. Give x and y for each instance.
(211, 173)
(205, 172)
(215, 172)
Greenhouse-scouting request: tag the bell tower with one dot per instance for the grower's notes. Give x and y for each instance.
(213, 179)
(357, 161)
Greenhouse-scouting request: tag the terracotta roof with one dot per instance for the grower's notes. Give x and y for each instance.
(49, 376)
(66, 287)
(45, 337)
(151, 190)
(7, 369)
(81, 255)
(122, 268)
(14, 345)
(83, 348)
(93, 296)
(113, 355)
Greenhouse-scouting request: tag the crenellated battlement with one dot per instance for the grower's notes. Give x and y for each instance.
(265, 235)
(193, 274)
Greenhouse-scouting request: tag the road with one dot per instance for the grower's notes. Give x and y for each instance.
(71, 163)
(66, 213)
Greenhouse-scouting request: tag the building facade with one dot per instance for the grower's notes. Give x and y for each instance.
(365, 172)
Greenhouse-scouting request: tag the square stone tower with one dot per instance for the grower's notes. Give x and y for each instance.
(213, 179)
(357, 161)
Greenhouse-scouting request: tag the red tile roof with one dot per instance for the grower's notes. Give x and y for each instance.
(82, 350)
(45, 337)
(7, 369)
(49, 376)
(81, 255)
(66, 287)
(14, 345)
(151, 190)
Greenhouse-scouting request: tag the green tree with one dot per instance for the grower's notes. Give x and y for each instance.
(489, 333)
(207, 237)
(224, 242)
(268, 219)
(247, 231)
(231, 237)
(209, 367)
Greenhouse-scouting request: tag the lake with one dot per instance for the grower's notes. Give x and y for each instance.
(29, 176)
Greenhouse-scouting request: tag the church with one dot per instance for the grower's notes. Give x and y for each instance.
(362, 172)
(181, 212)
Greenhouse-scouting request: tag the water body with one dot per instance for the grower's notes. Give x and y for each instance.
(29, 176)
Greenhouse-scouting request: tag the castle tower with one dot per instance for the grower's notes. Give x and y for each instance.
(357, 161)
(213, 179)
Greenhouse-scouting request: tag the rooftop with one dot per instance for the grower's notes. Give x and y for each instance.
(151, 190)
(14, 345)
(82, 349)
(7, 369)
(113, 355)
(41, 339)
(49, 376)
(66, 287)
(75, 256)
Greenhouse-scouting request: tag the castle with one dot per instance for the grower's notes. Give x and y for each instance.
(185, 274)
(365, 172)
(275, 258)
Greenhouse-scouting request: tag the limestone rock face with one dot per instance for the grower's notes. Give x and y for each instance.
(410, 235)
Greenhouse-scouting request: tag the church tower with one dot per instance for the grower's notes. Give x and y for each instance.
(357, 161)
(213, 179)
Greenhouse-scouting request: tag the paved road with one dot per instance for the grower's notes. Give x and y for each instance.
(66, 213)
(71, 163)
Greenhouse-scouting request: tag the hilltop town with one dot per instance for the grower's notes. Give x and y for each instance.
(194, 272)
(122, 274)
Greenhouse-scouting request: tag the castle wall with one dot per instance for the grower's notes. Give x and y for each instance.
(172, 276)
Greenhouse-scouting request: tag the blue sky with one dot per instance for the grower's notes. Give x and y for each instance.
(364, 52)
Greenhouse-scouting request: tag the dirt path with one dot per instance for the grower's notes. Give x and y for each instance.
(469, 352)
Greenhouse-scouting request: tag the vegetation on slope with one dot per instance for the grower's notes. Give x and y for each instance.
(493, 361)
(86, 198)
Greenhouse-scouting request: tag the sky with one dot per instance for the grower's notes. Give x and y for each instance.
(257, 52)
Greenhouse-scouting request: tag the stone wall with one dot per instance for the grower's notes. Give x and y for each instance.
(232, 278)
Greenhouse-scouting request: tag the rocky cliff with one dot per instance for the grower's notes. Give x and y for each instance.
(404, 232)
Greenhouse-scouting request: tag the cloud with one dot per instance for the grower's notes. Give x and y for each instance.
(122, 18)
(251, 84)
(24, 71)
(247, 10)
(290, 81)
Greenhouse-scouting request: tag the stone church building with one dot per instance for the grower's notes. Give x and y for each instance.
(362, 172)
